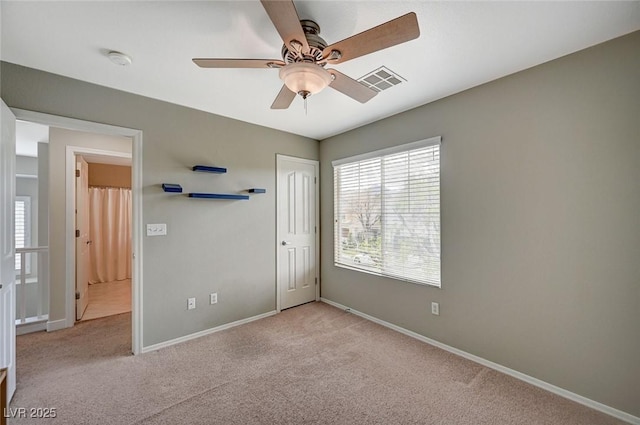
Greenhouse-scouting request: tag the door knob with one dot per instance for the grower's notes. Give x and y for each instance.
(285, 243)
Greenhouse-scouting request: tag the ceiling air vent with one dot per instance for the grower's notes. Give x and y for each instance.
(381, 79)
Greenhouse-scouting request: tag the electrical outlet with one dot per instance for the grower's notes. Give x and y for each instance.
(159, 229)
(191, 303)
(213, 298)
(435, 309)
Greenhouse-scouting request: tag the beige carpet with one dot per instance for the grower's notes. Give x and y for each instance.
(313, 364)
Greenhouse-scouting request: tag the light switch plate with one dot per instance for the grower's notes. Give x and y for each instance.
(159, 229)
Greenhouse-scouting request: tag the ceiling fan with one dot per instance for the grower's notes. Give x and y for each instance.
(305, 54)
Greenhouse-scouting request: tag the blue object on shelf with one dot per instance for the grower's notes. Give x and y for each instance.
(254, 190)
(171, 187)
(208, 169)
(218, 196)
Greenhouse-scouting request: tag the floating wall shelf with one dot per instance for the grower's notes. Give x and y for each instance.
(209, 169)
(171, 187)
(219, 196)
(176, 188)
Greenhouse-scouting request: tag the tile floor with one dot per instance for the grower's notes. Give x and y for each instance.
(108, 298)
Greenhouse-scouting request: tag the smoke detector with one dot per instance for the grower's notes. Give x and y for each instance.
(119, 58)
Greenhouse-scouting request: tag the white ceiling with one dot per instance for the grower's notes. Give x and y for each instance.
(28, 135)
(462, 45)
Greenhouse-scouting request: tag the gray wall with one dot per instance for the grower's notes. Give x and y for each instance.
(43, 218)
(27, 165)
(59, 139)
(212, 246)
(540, 223)
(28, 186)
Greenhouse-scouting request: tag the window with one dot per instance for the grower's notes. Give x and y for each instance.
(23, 229)
(387, 212)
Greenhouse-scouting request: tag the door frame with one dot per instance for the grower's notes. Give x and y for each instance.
(316, 167)
(136, 191)
(79, 160)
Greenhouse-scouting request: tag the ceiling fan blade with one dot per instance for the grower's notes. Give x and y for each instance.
(351, 87)
(238, 63)
(284, 98)
(389, 34)
(285, 18)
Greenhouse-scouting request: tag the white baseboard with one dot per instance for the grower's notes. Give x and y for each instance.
(205, 332)
(56, 325)
(619, 414)
(28, 328)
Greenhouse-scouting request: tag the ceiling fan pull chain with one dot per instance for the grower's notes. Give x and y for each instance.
(305, 106)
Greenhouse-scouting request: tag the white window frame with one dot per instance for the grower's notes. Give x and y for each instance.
(27, 232)
(340, 261)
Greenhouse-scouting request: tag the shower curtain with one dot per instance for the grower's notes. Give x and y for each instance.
(110, 233)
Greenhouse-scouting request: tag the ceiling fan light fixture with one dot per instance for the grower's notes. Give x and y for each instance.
(305, 78)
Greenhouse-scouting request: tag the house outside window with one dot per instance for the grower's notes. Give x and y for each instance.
(387, 212)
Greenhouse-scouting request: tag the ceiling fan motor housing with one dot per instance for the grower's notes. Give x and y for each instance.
(305, 54)
(316, 45)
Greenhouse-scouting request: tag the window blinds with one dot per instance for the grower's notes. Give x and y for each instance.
(21, 226)
(387, 212)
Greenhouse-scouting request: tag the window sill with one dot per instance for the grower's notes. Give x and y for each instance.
(362, 270)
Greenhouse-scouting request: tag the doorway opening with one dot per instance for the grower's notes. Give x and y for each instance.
(62, 231)
(103, 235)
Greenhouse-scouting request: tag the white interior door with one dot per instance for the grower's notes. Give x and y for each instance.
(82, 236)
(7, 246)
(297, 231)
